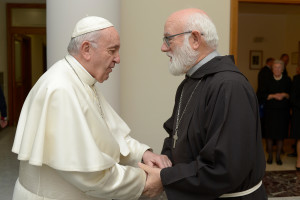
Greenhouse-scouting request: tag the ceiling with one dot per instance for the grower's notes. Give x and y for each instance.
(272, 9)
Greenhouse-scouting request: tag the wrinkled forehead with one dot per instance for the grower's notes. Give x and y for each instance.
(111, 36)
(110, 32)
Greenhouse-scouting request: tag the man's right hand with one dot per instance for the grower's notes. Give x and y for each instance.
(153, 186)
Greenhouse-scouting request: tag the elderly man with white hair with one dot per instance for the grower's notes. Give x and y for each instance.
(214, 139)
(70, 142)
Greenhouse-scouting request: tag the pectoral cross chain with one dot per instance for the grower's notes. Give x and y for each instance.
(178, 119)
(175, 138)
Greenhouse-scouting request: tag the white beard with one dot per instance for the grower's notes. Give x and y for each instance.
(183, 58)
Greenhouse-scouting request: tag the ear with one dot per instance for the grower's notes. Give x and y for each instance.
(195, 40)
(85, 50)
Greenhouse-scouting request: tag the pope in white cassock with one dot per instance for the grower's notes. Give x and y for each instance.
(70, 142)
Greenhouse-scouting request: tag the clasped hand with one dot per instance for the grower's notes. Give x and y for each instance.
(153, 165)
(279, 96)
(3, 123)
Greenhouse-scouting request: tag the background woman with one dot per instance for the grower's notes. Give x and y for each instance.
(276, 94)
(295, 100)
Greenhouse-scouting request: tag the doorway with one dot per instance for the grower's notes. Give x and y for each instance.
(21, 50)
(257, 41)
(26, 50)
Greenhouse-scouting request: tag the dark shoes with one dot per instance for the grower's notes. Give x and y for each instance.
(270, 160)
(278, 161)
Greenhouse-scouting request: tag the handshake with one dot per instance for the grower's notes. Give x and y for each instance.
(152, 166)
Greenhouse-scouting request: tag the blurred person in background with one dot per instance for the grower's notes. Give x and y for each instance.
(285, 59)
(264, 75)
(3, 109)
(276, 94)
(295, 101)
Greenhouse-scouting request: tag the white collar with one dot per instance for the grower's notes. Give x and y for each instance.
(202, 62)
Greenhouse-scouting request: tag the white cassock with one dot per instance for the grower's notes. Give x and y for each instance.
(67, 149)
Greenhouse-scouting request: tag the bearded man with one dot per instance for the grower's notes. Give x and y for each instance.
(214, 139)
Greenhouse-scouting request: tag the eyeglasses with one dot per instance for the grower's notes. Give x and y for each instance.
(166, 39)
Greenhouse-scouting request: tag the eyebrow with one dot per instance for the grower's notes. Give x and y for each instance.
(114, 47)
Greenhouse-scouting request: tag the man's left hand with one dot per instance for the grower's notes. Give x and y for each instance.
(155, 160)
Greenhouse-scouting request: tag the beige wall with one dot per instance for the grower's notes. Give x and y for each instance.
(293, 35)
(147, 88)
(280, 35)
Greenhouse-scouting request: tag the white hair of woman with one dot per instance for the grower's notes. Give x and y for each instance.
(279, 62)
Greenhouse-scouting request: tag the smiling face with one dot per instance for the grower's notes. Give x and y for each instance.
(106, 55)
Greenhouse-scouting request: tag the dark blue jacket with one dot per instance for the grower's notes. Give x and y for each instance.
(2, 104)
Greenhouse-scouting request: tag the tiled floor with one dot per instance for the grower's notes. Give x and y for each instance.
(280, 181)
(9, 165)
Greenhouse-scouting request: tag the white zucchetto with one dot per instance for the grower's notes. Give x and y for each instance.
(90, 24)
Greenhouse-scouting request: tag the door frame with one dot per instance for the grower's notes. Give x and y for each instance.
(22, 86)
(10, 31)
(234, 16)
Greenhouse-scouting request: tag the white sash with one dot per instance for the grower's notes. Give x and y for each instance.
(243, 193)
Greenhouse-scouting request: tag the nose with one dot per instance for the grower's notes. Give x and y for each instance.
(117, 59)
(164, 47)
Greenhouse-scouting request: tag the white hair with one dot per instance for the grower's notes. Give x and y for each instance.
(202, 23)
(183, 58)
(75, 43)
(280, 62)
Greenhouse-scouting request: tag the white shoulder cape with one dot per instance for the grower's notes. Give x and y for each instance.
(60, 126)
